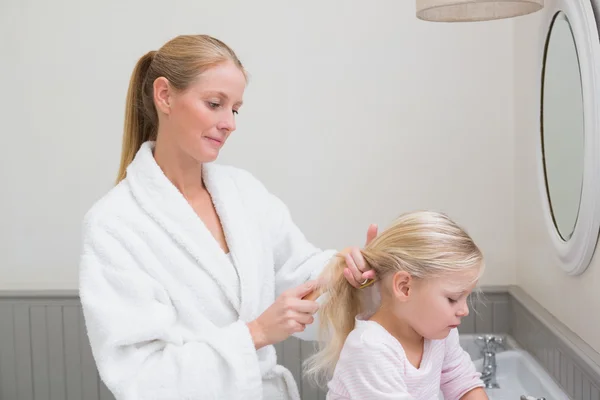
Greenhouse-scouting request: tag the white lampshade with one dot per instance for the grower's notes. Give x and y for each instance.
(474, 10)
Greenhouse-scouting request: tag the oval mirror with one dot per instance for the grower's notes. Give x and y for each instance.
(569, 146)
(562, 126)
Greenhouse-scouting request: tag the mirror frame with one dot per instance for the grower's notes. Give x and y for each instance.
(575, 254)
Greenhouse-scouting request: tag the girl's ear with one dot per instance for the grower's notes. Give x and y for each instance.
(402, 284)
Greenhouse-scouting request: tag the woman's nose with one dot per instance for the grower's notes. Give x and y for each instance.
(227, 123)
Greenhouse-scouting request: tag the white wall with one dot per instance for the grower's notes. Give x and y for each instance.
(537, 271)
(374, 112)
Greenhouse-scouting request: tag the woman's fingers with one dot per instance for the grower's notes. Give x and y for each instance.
(304, 306)
(351, 262)
(350, 278)
(302, 290)
(303, 318)
(371, 233)
(370, 274)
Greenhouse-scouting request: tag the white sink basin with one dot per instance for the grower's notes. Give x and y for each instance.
(518, 373)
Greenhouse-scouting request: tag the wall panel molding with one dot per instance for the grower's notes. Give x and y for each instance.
(45, 354)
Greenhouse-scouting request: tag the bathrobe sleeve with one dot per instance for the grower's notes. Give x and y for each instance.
(134, 338)
(296, 259)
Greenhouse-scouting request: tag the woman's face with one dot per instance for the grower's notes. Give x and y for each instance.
(200, 118)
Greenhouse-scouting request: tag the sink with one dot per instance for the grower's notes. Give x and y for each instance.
(518, 373)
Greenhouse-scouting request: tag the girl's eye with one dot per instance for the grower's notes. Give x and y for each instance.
(213, 105)
(452, 301)
(236, 112)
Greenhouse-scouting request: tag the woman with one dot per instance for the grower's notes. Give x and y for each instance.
(191, 271)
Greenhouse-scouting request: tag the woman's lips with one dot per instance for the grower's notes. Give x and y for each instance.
(214, 140)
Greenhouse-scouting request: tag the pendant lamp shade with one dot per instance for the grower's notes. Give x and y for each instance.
(474, 10)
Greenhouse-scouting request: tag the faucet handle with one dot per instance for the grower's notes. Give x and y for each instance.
(498, 341)
(490, 342)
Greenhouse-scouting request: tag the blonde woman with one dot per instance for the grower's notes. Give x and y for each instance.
(426, 267)
(190, 270)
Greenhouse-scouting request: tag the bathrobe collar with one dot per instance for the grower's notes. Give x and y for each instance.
(165, 204)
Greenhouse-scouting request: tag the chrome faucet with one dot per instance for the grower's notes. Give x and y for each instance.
(489, 345)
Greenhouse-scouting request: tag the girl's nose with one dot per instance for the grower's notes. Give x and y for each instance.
(463, 311)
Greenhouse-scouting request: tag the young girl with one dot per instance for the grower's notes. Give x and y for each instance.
(408, 348)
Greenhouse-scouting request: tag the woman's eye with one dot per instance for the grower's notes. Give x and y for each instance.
(452, 301)
(213, 105)
(236, 112)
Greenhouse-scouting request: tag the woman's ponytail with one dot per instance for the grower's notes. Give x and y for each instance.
(140, 113)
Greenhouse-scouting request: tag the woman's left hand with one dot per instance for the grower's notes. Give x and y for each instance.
(357, 271)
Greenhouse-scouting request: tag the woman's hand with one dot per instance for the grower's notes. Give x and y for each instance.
(289, 314)
(357, 272)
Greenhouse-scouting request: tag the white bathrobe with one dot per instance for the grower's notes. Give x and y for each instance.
(165, 308)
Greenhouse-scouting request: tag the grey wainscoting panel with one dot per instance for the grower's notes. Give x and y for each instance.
(44, 351)
(573, 364)
(45, 354)
(490, 312)
(8, 353)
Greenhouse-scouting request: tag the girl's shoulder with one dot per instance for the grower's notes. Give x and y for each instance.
(370, 346)
(369, 336)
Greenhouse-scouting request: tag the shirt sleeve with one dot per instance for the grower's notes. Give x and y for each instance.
(459, 375)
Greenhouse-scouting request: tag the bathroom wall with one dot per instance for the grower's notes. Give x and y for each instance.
(538, 273)
(355, 112)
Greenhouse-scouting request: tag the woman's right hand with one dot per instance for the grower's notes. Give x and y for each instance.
(287, 315)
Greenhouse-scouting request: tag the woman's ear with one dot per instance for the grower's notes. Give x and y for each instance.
(402, 285)
(162, 95)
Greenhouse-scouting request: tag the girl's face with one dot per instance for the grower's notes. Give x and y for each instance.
(439, 304)
(433, 307)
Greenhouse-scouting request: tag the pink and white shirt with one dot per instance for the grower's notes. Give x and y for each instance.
(373, 365)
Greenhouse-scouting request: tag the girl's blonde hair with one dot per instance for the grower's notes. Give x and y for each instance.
(425, 244)
(181, 60)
